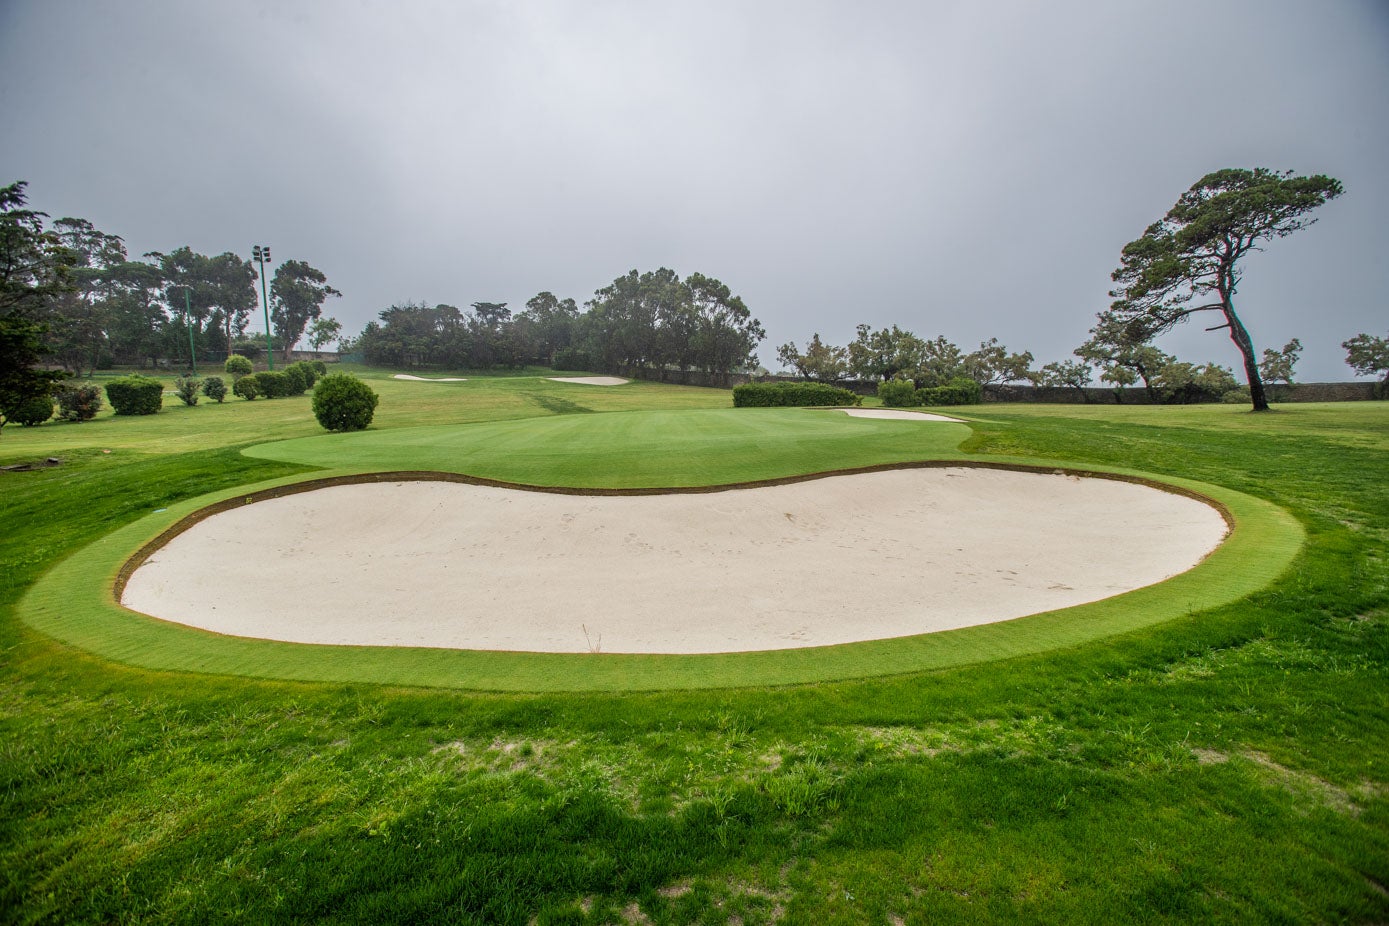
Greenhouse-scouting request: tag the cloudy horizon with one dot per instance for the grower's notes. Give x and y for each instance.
(966, 170)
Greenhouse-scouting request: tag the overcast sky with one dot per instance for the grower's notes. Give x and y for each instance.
(970, 169)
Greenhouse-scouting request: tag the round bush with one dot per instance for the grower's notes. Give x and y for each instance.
(898, 393)
(215, 388)
(238, 366)
(273, 384)
(297, 379)
(135, 395)
(79, 403)
(246, 388)
(34, 410)
(319, 367)
(344, 403)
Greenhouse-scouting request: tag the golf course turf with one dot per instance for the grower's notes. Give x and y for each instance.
(1208, 749)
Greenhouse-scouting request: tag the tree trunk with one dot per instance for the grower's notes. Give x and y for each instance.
(1240, 336)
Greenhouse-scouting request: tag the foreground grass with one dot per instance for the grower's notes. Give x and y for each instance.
(1225, 767)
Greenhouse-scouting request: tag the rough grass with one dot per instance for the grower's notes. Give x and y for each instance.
(1226, 767)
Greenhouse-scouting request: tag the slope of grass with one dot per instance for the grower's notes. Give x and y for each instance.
(1224, 767)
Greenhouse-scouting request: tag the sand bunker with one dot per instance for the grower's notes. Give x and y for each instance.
(834, 560)
(425, 379)
(591, 380)
(895, 414)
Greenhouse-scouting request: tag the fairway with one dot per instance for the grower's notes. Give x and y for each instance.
(1216, 738)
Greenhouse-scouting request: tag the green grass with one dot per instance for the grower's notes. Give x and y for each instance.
(1224, 766)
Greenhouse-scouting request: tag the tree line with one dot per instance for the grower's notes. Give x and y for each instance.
(108, 308)
(641, 321)
(1186, 263)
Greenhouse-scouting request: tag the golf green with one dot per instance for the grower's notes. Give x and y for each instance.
(76, 602)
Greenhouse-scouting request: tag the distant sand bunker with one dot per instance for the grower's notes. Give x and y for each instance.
(834, 560)
(425, 379)
(591, 380)
(895, 414)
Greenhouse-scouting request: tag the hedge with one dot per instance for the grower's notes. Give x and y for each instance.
(959, 391)
(777, 395)
(135, 395)
(273, 384)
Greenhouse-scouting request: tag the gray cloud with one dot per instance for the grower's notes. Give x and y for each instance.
(968, 169)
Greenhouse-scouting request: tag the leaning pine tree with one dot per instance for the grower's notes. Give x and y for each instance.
(1192, 254)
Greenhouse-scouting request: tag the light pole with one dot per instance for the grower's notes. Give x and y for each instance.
(262, 254)
(188, 323)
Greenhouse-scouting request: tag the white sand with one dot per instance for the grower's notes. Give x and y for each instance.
(832, 560)
(423, 379)
(591, 380)
(895, 414)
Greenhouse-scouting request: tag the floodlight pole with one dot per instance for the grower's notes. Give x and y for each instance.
(262, 254)
(188, 323)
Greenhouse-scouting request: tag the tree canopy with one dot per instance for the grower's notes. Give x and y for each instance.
(298, 292)
(1188, 261)
(1369, 356)
(34, 269)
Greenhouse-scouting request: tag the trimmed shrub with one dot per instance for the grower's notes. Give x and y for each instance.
(319, 367)
(32, 411)
(898, 393)
(779, 395)
(342, 402)
(959, 391)
(1240, 396)
(135, 395)
(187, 389)
(311, 375)
(246, 388)
(238, 366)
(214, 388)
(79, 403)
(273, 384)
(297, 379)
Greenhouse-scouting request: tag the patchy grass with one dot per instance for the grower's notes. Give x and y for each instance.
(1082, 785)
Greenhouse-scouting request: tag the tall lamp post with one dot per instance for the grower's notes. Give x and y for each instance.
(262, 253)
(188, 323)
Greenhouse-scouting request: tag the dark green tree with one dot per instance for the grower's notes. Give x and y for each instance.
(1122, 359)
(79, 318)
(992, 365)
(725, 333)
(222, 293)
(551, 322)
(34, 270)
(821, 361)
(324, 330)
(297, 294)
(1369, 356)
(1277, 365)
(1192, 254)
